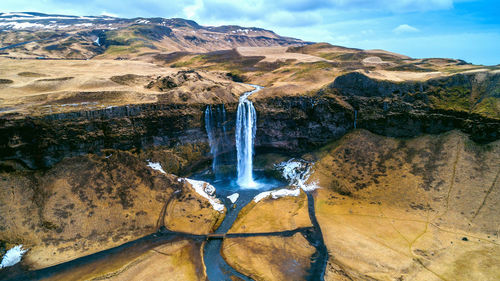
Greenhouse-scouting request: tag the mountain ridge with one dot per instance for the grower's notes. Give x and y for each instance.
(25, 34)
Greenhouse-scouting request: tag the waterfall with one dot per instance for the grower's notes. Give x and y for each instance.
(215, 125)
(355, 117)
(246, 125)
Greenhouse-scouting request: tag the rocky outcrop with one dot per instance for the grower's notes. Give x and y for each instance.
(169, 82)
(398, 109)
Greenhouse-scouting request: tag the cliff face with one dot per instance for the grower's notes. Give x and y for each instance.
(289, 124)
(41, 142)
(467, 102)
(301, 122)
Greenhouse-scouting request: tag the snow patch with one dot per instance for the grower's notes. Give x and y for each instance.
(30, 17)
(233, 197)
(156, 166)
(33, 25)
(275, 194)
(201, 187)
(23, 25)
(87, 24)
(297, 172)
(13, 256)
(15, 14)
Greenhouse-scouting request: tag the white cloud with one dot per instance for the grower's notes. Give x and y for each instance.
(405, 28)
(191, 10)
(457, 46)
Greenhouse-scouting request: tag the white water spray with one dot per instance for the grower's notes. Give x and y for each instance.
(246, 125)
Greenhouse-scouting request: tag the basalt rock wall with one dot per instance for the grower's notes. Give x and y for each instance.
(40, 142)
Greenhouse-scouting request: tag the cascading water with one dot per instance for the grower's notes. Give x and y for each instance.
(246, 125)
(355, 118)
(215, 125)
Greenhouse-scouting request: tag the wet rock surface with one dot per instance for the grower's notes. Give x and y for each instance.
(299, 123)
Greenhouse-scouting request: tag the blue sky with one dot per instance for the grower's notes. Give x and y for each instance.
(465, 29)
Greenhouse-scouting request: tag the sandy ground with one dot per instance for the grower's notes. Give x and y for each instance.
(271, 258)
(174, 261)
(379, 51)
(400, 76)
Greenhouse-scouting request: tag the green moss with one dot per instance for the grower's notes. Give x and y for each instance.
(190, 62)
(126, 41)
(410, 67)
(117, 50)
(489, 107)
(330, 56)
(453, 98)
(308, 70)
(120, 37)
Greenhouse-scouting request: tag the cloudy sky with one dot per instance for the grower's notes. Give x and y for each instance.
(465, 29)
